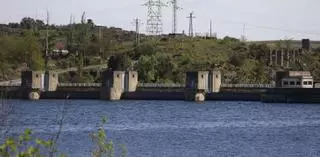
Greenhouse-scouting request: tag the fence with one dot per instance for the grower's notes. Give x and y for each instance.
(172, 85)
(151, 85)
(160, 85)
(79, 85)
(247, 86)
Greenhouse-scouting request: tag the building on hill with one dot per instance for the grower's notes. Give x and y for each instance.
(294, 79)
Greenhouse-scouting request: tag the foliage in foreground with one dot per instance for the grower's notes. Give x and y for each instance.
(28, 146)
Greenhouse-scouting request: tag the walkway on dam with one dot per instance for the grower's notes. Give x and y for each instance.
(17, 82)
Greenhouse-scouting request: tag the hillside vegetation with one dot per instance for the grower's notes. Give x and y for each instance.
(22, 46)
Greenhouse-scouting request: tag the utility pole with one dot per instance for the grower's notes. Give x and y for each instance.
(210, 28)
(47, 41)
(243, 37)
(137, 23)
(100, 43)
(191, 17)
(84, 37)
(175, 8)
(71, 38)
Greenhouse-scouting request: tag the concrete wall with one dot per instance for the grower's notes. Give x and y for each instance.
(209, 81)
(51, 81)
(294, 95)
(214, 81)
(143, 95)
(298, 73)
(118, 80)
(107, 79)
(114, 83)
(32, 79)
(191, 80)
(131, 81)
(203, 80)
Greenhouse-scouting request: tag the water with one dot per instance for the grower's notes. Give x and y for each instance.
(174, 128)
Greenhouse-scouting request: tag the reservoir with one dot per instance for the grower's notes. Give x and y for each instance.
(177, 128)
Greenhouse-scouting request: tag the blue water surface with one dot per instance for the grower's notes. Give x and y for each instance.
(177, 128)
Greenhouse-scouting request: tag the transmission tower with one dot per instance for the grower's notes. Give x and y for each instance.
(154, 21)
(191, 17)
(175, 8)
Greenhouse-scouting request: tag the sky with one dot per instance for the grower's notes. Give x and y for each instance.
(256, 19)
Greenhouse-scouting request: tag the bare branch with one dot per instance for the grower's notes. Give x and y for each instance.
(60, 118)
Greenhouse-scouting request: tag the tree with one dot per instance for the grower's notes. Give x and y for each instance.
(164, 68)
(146, 68)
(32, 48)
(28, 23)
(40, 24)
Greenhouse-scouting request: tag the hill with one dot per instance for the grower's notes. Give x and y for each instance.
(162, 59)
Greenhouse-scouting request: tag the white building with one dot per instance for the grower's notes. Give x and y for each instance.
(297, 79)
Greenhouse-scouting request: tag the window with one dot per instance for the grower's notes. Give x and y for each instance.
(291, 82)
(118, 75)
(305, 83)
(133, 76)
(201, 76)
(37, 75)
(309, 82)
(217, 76)
(285, 82)
(298, 83)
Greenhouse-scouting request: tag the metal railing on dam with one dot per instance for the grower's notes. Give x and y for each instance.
(247, 86)
(160, 85)
(79, 85)
(150, 85)
(173, 85)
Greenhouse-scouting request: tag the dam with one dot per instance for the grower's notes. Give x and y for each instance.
(290, 87)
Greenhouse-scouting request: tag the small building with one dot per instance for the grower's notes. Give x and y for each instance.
(294, 79)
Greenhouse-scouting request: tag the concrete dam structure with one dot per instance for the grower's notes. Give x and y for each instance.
(290, 86)
(115, 85)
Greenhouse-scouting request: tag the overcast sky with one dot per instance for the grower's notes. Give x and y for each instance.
(264, 19)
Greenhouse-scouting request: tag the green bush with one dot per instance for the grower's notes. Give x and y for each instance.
(27, 146)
